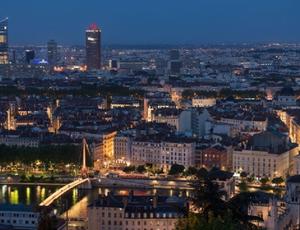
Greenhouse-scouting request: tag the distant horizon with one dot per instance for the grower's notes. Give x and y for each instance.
(107, 45)
(153, 22)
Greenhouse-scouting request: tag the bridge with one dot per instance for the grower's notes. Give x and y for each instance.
(79, 182)
(49, 200)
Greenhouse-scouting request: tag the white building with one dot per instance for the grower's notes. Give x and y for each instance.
(193, 121)
(275, 215)
(292, 197)
(266, 155)
(261, 163)
(243, 125)
(135, 213)
(122, 146)
(17, 140)
(163, 153)
(296, 168)
(203, 102)
(212, 127)
(168, 115)
(19, 217)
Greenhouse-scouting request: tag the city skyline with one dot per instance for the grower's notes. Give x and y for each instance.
(162, 114)
(154, 23)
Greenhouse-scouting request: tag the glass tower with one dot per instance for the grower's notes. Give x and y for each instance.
(93, 47)
(52, 53)
(4, 41)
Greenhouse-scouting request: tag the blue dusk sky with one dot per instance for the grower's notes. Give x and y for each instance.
(153, 21)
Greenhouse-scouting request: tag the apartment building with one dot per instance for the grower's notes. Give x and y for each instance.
(163, 153)
(18, 217)
(267, 154)
(203, 102)
(122, 147)
(136, 212)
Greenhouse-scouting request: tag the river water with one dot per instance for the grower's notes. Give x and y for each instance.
(74, 202)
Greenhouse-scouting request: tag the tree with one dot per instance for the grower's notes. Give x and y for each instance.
(264, 180)
(141, 169)
(250, 179)
(176, 169)
(46, 222)
(243, 175)
(191, 171)
(23, 178)
(196, 221)
(214, 212)
(32, 178)
(207, 197)
(277, 181)
(129, 169)
(243, 186)
(202, 173)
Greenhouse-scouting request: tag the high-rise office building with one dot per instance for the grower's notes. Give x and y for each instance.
(174, 55)
(29, 56)
(52, 53)
(93, 47)
(4, 41)
(175, 64)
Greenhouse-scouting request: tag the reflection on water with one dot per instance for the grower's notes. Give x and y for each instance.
(28, 200)
(28, 195)
(75, 201)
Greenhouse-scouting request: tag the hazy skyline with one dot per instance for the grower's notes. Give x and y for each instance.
(153, 22)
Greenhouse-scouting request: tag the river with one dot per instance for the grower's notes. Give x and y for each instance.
(75, 201)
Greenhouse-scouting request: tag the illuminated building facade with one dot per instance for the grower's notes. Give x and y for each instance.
(4, 41)
(93, 47)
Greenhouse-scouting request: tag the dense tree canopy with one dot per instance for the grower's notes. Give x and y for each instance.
(176, 169)
(46, 153)
(213, 212)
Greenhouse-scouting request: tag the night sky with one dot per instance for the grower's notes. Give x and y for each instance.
(153, 21)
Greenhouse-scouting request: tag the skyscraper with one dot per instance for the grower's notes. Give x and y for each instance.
(93, 47)
(52, 53)
(174, 64)
(174, 54)
(29, 56)
(4, 41)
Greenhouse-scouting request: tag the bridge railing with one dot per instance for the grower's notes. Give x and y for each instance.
(49, 200)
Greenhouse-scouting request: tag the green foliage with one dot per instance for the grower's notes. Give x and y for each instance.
(240, 94)
(176, 169)
(214, 213)
(23, 178)
(243, 175)
(129, 169)
(46, 153)
(243, 186)
(224, 93)
(264, 180)
(277, 180)
(191, 171)
(250, 179)
(202, 173)
(83, 90)
(197, 221)
(47, 222)
(141, 169)
(189, 94)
